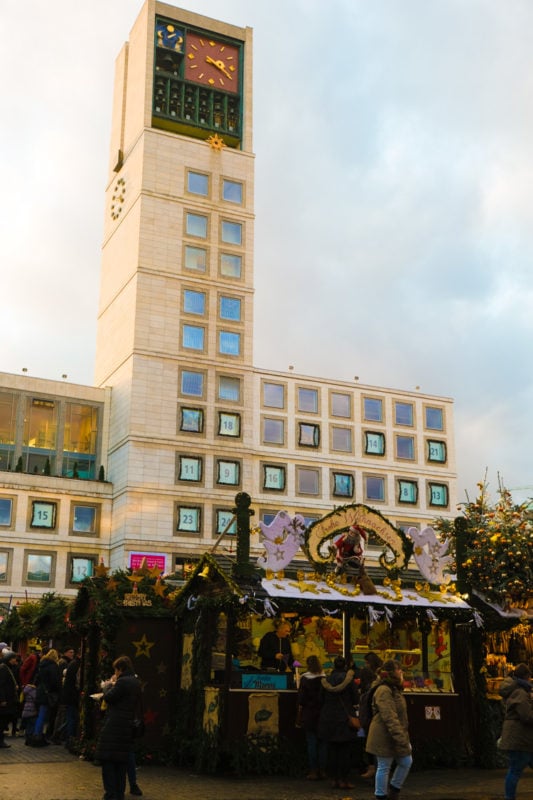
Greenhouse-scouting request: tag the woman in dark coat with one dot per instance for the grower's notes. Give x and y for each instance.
(309, 696)
(8, 692)
(122, 698)
(517, 732)
(48, 683)
(388, 736)
(339, 696)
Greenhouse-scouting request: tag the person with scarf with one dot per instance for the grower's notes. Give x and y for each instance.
(339, 696)
(388, 737)
(517, 731)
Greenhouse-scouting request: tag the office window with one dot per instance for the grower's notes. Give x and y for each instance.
(438, 494)
(308, 480)
(193, 337)
(6, 512)
(192, 420)
(405, 447)
(231, 191)
(43, 514)
(229, 388)
(190, 468)
(229, 343)
(229, 424)
(188, 519)
(80, 567)
(434, 418)
(197, 183)
(4, 567)
(341, 439)
(436, 451)
(403, 413)
(273, 477)
(193, 302)
(225, 518)
(373, 409)
(407, 491)
(195, 258)
(308, 400)
(374, 487)
(341, 405)
(273, 431)
(228, 472)
(309, 435)
(230, 265)
(343, 484)
(192, 383)
(231, 232)
(273, 395)
(196, 225)
(38, 568)
(374, 443)
(84, 519)
(230, 308)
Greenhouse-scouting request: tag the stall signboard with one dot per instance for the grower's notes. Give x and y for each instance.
(261, 681)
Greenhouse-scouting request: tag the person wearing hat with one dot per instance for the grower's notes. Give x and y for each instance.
(9, 692)
(350, 549)
(517, 731)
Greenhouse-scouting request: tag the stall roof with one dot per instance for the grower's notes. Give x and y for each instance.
(511, 613)
(320, 590)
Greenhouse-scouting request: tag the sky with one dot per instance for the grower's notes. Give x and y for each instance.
(393, 199)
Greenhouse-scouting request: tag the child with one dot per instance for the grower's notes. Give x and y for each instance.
(29, 711)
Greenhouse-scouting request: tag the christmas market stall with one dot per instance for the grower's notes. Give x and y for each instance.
(245, 632)
(128, 613)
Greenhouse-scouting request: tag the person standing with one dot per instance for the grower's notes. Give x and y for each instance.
(275, 648)
(48, 683)
(9, 692)
(367, 676)
(388, 737)
(70, 698)
(339, 696)
(309, 694)
(517, 732)
(58, 719)
(115, 743)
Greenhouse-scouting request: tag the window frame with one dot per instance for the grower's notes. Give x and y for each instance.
(231, 462)
(198, 236)
(201, 328)
(187, 290)
(197, 509)
(315, 426)
(368, 498)
(219, 528)
(33, 503)
(198, 373)
(228, 275)
(406, 405)
(92, 557)
(232, 299)
(36, 552)
(233, 336)
(234, 182)
(201, 417)
(429, 408)
(407, 437)
(183, 462)
(401, 483)
(187, 250)
(96, 507)
(226, 225)
(431, 485)
(300, 470)
(191, 172)
(443, 444)
(309, 390)
(333, 413)
(373, 399)
(278, 421)
(373, 453)
(335, 492)
(12, 499)
(8, 553)
(224, 398)
(274, 384)
(349, 431)
(271, 469)
(222, 415)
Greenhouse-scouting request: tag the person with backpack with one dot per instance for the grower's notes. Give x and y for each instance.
(367, 676)
(517, 731)
(388, 736)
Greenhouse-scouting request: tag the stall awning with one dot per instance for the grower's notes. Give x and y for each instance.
(321, 591)
(507, 613)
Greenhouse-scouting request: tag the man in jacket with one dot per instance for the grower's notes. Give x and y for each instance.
(517, 732)
(8, 692)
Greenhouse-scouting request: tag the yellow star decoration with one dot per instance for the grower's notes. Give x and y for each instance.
(101, 570)
(216, 142)
(111, 585)
(159, 588)
(161, 668)
(143, 647)
(141, 572)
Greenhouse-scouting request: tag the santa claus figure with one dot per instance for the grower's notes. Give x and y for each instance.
(350, 550)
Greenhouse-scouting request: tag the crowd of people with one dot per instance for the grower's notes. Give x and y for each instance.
(328, 712)
(39, 699)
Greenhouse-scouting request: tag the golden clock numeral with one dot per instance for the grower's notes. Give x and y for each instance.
(211, 81)
(193, 47)
(201, 75)
(194, 66)
(190, 55)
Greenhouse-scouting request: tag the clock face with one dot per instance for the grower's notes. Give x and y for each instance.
(212, 63)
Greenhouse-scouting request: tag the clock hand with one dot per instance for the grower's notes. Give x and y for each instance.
(219, 65)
